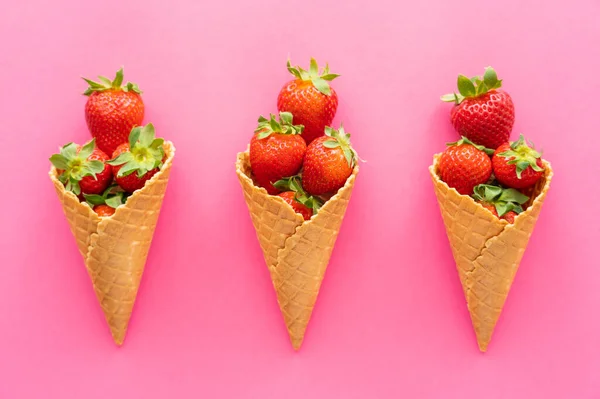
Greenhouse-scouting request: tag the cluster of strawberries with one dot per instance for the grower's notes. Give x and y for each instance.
(298, 156)
(114, 113)
(497, 173)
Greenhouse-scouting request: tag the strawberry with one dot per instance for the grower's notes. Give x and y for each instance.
(482, 113)
(276, 150)
(517, 164)
(329, 162)
(112, 110)
(105, 204)
(104, 210)
(294, 194)
(310, 98)
(137, 161)
(504, 203)
(463, 165)
(83, 170)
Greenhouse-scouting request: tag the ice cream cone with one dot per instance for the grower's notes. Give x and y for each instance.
(115, 248)
(487, 250)
(296, 251)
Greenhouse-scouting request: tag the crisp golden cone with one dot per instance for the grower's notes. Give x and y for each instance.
(296, 251)
(487, 250)
(115, 248)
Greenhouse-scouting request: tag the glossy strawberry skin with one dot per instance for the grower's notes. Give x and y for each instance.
(309, 106)
(110, 116)
(463, 167)
(131, 182)
(325, 169)
(274, 157)
(104, 210)
(289, 197)
(486, 120)
(88, 184)
(507, 174)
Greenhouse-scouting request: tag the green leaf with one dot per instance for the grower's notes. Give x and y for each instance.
(286, 117)
(330, 76)
(118, 79)
(502, 208)
(147, 135)
(264, 134)
(134, 136)
(115, 202)
(107, 82)
(59, 161)
(94, 167)
(451, 97)
(490, 78)
(331, 144)
(466, 86)
(512, 195)
(94, 199)
(127, 169)
(121, 159)
(295, 185)
(314, 67)
(349, 156)
(157, 143)
(69, 151)
(87, 149)
(322, 86)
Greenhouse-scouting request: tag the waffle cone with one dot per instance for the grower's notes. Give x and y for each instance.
(296, 251)
(115, 248)
(487, 250)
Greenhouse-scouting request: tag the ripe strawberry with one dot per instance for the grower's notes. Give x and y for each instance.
(463, 165)
(104, 210)
(83, 170)
(503, 203)
(112, 110)
(143, 154)
(328, 163)
(310, 99)
(483, 113)
(276, 150)
(105, 204)
(295, 195)
(517, 164)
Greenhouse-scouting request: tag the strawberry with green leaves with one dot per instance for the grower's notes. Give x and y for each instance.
(310, 98)
(106, 203)
(136, 161)
(328, 162)
(276, 150)
(83, 170)
(112, 110)
(504, 203)
(464, 165)
(294, 194)
(517, 164)
(483, 112)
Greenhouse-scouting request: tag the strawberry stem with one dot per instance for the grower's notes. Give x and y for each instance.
(473, 87)
(107, 84)
(318, 79)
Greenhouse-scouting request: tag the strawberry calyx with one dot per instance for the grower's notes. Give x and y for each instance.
(522, 155)
(464, 140)
(294, 183)
(318, 78)
(285, 125)
(75, 165)
(503, 199)
(107, 84)
(145, 152)
(113, 196)
(474, 87)
(341, 139)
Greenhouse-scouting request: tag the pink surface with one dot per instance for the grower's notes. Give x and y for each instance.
(391, 320)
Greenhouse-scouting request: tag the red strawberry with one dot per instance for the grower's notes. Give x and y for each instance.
(276, 150)
(483, 113)
(137, 161)
(463, 165)
(517, 164)
(83, 170)
(310, 99)
(112, 110)
(104, 210)
(290, 198)
(328, 163)
(295, 195)
(503, 203)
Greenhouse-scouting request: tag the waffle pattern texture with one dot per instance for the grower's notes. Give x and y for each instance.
(115, 248)
(296, 251)
(487, 250)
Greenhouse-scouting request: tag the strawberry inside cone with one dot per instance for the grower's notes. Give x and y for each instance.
(504, 203)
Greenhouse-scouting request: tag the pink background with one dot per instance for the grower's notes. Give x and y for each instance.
(391, 319)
